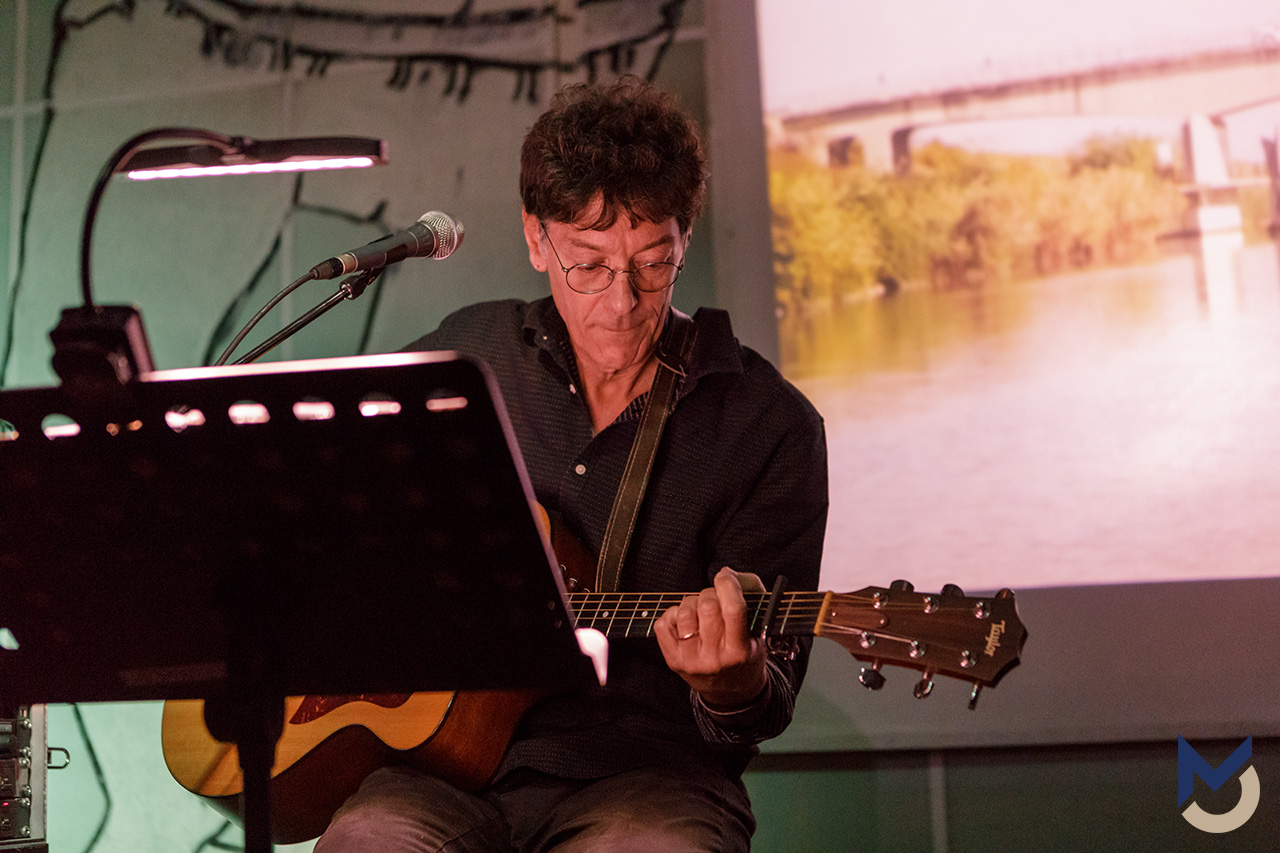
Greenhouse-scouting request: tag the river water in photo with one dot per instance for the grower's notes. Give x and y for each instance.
(1112, 425)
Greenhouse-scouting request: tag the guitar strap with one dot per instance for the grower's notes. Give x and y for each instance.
(672, 360)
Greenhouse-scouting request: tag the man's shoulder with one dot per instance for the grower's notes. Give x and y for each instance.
(478, 323)
(745, 370)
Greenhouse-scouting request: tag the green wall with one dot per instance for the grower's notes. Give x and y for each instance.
(1098, 798)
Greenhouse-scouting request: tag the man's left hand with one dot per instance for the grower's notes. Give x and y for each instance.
(704, 639)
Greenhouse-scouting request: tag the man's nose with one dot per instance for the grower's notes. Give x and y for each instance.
(622, 296)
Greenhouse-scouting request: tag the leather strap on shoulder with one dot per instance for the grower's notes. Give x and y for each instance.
(672, 361)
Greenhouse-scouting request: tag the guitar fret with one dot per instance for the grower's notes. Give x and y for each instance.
(646, 614)
(590, 611)
(608, 614)
(788, 620)
(583, 616)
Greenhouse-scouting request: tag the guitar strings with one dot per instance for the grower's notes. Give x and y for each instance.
(630, 605)
(635, 614)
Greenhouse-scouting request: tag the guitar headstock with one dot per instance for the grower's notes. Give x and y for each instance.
(946, 633)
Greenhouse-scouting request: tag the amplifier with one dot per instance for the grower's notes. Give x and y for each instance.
(23, 773)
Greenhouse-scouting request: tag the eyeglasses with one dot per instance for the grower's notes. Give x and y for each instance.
(593, 278)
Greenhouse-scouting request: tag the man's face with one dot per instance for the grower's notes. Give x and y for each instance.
(617, 328)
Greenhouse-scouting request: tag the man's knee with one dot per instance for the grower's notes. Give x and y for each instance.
(402, 810)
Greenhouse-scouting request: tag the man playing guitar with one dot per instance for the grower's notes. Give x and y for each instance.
(611, 180)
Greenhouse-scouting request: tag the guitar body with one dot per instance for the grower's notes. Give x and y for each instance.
(330, 744)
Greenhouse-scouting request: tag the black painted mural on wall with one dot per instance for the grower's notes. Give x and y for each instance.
(442, 47)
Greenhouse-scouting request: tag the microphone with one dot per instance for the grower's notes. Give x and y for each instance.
(435, 235)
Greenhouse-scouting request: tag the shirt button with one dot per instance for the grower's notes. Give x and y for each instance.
(573, 389)
(580, 468)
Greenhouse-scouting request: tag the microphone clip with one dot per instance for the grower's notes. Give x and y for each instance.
(353, 287)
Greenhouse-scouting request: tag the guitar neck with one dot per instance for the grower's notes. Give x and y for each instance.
(976, 639)
(633, 614)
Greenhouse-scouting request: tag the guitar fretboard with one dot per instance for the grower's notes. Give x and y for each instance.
(633, 614)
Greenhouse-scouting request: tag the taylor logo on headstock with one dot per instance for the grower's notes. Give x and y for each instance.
(993, 639)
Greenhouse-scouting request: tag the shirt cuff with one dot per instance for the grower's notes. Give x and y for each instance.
(739, 713)
(764, 717)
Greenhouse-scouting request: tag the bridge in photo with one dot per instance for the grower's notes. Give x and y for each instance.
(1214, 83)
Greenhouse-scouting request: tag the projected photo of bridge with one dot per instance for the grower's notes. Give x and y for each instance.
(1031, 280)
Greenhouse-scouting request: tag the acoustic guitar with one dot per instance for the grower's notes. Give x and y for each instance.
(330, 743)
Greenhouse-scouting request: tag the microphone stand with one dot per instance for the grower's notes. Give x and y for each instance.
(351, 287)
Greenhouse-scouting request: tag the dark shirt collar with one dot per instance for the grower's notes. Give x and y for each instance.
(715, 349)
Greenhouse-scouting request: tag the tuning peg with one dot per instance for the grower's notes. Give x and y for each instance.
(871, 677)
(925, 685)
(952, 589)
(973, 695)
(901, 586)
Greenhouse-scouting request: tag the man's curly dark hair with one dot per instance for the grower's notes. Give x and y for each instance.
(627, 143)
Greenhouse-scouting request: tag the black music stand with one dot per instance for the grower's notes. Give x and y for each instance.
(240, 534)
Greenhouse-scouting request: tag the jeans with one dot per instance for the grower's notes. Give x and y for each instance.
(672, 808)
